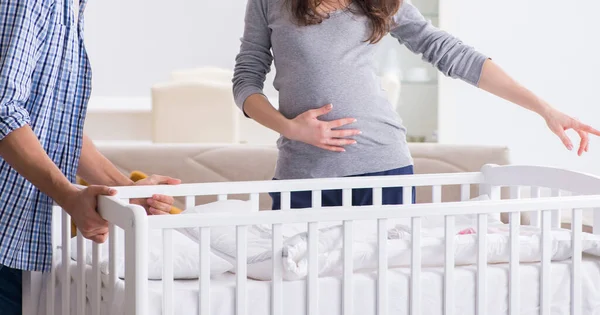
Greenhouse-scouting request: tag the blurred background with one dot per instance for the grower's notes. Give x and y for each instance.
(161, 73)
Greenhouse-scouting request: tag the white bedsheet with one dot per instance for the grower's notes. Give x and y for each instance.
(330, 297)
(223, 240)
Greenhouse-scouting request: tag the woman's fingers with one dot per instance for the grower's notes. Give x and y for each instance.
(560, 132)
(314, 113)
(339, 123)
(339, 142)
(586, 128)
(584, 142)
(332, 148)
(344, 133)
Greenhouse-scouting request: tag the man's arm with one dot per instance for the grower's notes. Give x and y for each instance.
(22, 33)
(22, 150)
(23, 30)
(96, 169)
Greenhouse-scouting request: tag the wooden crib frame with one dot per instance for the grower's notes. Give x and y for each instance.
(585, 190)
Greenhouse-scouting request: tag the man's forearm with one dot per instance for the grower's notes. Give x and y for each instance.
(22, 150)
(96, 169)
(496, 81)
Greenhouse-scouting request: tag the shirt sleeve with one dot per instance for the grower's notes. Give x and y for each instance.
(22, 29)
(446, 52)
(253, 62)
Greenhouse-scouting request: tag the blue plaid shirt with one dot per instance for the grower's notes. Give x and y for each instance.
(45, 82)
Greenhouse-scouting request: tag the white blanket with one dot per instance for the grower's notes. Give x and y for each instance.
(186, 257)
(365, 255)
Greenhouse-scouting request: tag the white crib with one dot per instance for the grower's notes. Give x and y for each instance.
(569, 191)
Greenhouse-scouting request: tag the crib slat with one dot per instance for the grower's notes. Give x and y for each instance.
(415, 267)
(112, 259)
(407, 195)
(50, 291)
(348, 257)
(377, 196)
(482, 263)
(204, 271)
(465, 192)
(312, 303)
(545, 281)
(255, 201)
(514, 281)
(312, 285)
(576, 265)
(51, 276)
(66, 257)
(167, 272)
(241, 270)
(535, 215)
(286, 200)
(436, 194)
(81, 263)
(382, 286)
(415, 264)
(347, 197)
(96, 282)
(556, 216)
(222, 197)
(276, 282)
(317, 199)
(449, 266)
(136, 268)
(190, 202)
(348, 268)
(596, 217)
(382, 268)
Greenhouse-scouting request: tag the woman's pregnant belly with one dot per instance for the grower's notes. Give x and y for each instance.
(353, 95)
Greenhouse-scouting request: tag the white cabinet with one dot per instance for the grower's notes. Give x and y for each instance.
(130, 119)
(418, 103)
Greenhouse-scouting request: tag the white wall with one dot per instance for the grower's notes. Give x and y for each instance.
(548, 45)
(133, 44)
(551, 47)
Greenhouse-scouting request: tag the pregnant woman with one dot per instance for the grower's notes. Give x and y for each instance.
(334, 118)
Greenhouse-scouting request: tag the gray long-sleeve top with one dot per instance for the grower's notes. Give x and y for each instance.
(332, 62)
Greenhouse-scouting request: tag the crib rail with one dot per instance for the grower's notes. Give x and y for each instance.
(135, 225)
(288, 186)
(381, 214)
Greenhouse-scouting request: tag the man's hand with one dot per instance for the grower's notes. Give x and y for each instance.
(82, 205)
(158, 204)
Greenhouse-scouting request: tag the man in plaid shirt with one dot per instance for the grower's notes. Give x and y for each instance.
(45, 84)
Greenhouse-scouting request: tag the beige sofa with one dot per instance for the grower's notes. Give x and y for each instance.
(200, 163)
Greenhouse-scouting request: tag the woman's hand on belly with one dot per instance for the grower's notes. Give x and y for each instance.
(307, 128)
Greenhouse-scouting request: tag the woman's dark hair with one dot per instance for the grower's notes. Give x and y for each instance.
(379, 12)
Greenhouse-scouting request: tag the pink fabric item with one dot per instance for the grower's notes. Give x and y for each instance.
(467, 231)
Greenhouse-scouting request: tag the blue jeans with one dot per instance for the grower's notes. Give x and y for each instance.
(360, 197)
(11, 293)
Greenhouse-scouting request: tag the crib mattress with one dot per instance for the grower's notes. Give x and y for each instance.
(365, 288)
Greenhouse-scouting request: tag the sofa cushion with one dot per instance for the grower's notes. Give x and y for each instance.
(201, 163)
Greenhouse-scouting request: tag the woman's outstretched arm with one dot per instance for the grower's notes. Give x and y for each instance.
(495, 81)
